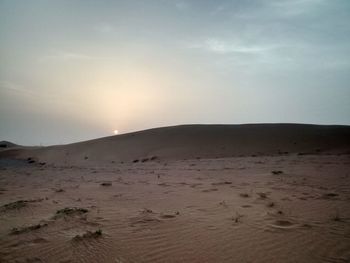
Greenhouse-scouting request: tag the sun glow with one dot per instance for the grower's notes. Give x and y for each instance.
(116, 132)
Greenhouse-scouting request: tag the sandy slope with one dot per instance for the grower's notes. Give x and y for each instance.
(6, 145)
(191, 141)
(257, 203)
(209, 210)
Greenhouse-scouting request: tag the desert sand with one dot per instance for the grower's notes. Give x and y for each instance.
(193, 193)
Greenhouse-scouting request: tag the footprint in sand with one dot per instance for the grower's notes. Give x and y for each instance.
(167, 216)
(283, 224)
(164, 184)
(222, 183)
(195, 185)
(209, 190)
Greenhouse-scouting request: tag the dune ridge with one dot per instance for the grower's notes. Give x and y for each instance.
(280, 193)
(195, 141)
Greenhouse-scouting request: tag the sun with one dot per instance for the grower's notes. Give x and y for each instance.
(115, 132)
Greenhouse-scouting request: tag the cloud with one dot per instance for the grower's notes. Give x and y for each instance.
(15, 87)
(225, 47)
(104, 27)
(217, 10)
(182, 5)
(294, 7)
(67, 56)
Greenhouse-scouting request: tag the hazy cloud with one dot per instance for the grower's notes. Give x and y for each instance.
(182, 5)
(15, 87)
(294, 7)
(225, 47)
(67, 56)
(104, 27)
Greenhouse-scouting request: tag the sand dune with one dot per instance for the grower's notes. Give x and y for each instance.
(196, 141)
(263, 200)
(6, 145)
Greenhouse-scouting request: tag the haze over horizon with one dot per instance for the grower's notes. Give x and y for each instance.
(78, 70)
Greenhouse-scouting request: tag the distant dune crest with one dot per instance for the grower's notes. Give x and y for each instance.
(194, 141)
(6, 144)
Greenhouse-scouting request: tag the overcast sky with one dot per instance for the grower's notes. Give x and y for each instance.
(76, 70)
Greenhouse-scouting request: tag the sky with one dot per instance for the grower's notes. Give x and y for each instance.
(81, 69)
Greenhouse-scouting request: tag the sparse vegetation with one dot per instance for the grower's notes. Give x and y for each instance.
(223, 203)
(222, 183)
(146, 211)
(88, 234)
(237, 218)
(337, 217)
(30, 160)
(270, 204)
(165, 216)
(276, 172)
(20, 230)
(18, 204)
(245, 195)
(106, 184)
(209, 190)
(262, 195)
(330, 195)
(70, 211)
(15, 205)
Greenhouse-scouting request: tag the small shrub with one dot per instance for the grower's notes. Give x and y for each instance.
(98, 232)
(223, 203)
(70, 211)
(276, 172)
(106, 184)
(166, 216)
(30, 160)
(18, 204)
(20, 230)
(237, 218)
(15, 205)
(337, 217)
(271, 204)
(262, 195)
(147, 211)
(330, 195)
(88, 234)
